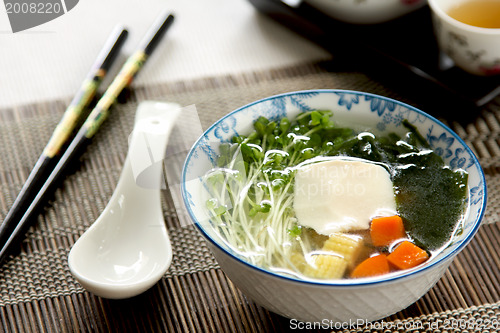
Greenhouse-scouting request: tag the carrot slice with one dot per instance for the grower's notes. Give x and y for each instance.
(407, 255)
(376, 265)
(385, 230)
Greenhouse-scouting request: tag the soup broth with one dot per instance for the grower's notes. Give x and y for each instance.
(254, 189)
(479, 13)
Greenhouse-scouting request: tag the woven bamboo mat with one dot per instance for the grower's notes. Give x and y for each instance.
(38, 293)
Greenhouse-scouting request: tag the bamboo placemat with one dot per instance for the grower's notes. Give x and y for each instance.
(38, 293)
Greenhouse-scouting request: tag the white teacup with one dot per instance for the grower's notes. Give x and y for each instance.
(472, 48)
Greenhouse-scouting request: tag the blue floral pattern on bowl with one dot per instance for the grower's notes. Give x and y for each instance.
(441, 145)
(347, 99)
(225, 129)
(380, 105)
(349, 107)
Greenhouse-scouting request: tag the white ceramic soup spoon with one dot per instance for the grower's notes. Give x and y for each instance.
(127, 249)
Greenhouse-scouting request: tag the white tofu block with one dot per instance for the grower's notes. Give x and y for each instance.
(342, 195)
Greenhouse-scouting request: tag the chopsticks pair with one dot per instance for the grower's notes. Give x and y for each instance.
(59, 152)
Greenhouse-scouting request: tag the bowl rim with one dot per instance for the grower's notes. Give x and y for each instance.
(342, 282)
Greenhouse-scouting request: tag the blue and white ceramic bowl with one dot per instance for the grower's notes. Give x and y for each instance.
(342, 300)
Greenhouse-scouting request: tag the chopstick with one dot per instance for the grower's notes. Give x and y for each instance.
(91, 125)
(73, 116)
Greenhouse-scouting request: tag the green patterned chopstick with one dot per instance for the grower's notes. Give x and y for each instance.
(72, 118)
(100, 112)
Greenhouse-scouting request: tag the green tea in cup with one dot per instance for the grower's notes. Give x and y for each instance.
(468, 31)
(479, 13)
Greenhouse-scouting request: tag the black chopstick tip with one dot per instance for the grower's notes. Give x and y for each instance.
(155, 34)
(118, 31)
(112, 47)
(164, 19)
